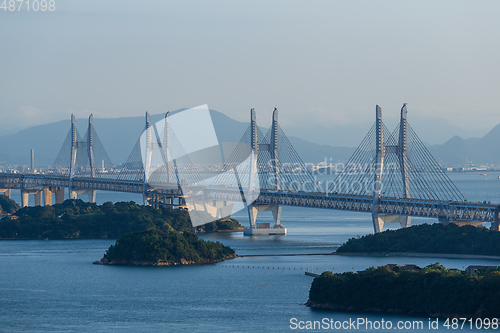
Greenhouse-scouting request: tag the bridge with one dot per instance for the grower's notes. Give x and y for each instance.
(391, 175)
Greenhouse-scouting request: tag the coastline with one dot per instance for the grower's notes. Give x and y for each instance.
(87, 238)
(418, 255)
(332, 307)
(181, 262)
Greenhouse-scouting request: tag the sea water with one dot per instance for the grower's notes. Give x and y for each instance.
(52, 286)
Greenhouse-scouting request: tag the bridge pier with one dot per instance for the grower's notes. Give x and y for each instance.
(73, 194)
(59, 191)
(25, 197)
(47, 196)
(495, 225)
(42, 196)
(224, 209)
(5, 191)
(379, 220)
(255, 229)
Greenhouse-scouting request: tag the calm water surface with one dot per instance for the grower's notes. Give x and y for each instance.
(53, 286)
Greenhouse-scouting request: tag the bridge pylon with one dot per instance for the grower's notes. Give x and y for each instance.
(75, 145)
(82, 161)
(272, 149)
(160, 172)
(382, 149)
(397, 170)
(147, 161)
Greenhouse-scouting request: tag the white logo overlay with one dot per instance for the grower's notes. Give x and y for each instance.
(183, 151)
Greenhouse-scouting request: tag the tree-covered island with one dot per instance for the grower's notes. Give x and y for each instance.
(425, 238)
(431, 291)
(146, 236)
(76, 219)
(7, 206)
(158, 248)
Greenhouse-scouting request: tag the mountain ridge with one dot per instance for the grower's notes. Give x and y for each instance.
(119, 136)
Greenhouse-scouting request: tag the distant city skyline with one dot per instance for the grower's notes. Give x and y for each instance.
(324, 64)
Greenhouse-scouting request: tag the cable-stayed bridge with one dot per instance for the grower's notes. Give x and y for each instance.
(391, 175)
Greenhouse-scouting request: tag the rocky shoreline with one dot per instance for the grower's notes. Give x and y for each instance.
(181, 262)
(333, 307)
(417, 255)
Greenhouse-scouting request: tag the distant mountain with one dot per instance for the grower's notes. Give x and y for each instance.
(119, 135)
(485, 150)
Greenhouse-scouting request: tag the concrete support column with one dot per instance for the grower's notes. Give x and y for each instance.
(226, 210)
(59, 195)
(92, 195)
(38, 198)
(277, 229)
(5, 192)
(47, 196)
(252, 215)
(495, 225)
(276, 210)
(24, 198)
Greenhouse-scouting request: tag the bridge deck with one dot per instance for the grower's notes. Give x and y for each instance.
(450, 210)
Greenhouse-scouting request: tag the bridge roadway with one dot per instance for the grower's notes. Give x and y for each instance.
(449, 210)
(18, 181)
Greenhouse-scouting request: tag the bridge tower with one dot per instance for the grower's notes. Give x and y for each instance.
(381, 151)
(159, 166)
(148, 155)
(72, 162)
(166, 143)
(75, 145)
(253, 209)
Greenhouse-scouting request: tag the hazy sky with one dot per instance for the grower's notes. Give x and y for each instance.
(324, 64)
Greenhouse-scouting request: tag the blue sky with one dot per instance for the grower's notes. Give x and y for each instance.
(324, 64)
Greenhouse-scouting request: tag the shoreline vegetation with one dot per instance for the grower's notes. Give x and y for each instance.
(157, 248)
(432, 291)
(76, 219)
(146, 236)
(416, 255)
(7, 206)
(429, 239)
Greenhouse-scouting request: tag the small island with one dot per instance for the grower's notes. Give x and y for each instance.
(157, 248)
(427, 238)
(431, 291)
(76, 219)
(7, 206)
